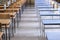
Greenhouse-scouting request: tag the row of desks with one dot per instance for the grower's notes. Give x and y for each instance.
(12, 10)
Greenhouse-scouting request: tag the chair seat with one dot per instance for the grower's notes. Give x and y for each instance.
(51, 22)
(53, 35)
(43, 1)
(49, 13)
(43, 5)
(40, 0)
(48, 9)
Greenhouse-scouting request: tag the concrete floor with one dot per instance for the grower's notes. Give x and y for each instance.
(29, 28)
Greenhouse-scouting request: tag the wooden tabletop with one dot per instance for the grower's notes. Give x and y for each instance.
(18, 4)
(5, 21)
(10, 9)
(12, 14)
(14, 7)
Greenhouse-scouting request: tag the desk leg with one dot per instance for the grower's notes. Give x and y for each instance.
(9, 33)
(17, 20)
(26, 2)
(12, 27)
(22, 9)
(19, 15)
(6, 32)
(30, 3)
(24, 6)
(0, 29)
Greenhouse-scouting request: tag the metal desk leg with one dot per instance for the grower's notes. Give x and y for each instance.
(12, 27)
(17, 20)
(19, 15)
(6, 32)
(30, 3)
(9, 33)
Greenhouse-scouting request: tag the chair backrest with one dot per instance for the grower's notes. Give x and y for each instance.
(4, 16)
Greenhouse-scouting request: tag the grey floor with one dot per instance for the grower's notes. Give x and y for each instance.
(29, 27)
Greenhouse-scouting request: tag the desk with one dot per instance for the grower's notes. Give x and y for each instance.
(4, 23)
(19, 3)
(12, 11)
(12, 14)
